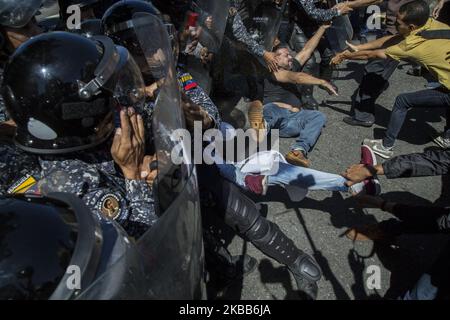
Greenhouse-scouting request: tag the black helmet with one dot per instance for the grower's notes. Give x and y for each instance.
(90, 28)
(118, 25)
(40, 239)
(53, 247)
(82, 4)
(18, 13)
(119, 16)
(62, 90)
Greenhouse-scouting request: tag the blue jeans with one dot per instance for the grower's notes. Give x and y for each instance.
(290, 175)
(306, 125)
(436, 98)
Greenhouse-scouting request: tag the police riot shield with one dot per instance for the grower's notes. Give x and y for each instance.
(266, 22)
(210, 27)
(341, 30)
(168, 118)
(167, 261)
(173, 248)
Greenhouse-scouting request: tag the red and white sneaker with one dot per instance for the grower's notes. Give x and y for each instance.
(369, 186)
(256, 184)
(368, 156)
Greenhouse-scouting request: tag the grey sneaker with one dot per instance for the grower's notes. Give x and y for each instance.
(378, 148)
(442, 142)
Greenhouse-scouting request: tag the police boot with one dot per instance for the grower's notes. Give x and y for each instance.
(306, 273)
(308, 100)
(268, 238)
(243, 216)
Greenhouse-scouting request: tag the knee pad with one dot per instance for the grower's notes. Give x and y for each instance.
(241, 212)
(305, 266)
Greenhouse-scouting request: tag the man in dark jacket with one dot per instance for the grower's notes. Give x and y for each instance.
(410, 219)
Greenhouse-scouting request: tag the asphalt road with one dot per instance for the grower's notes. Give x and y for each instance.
(317, 223)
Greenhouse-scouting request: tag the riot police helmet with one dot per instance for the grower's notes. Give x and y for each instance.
(121, 22)
(62, 91)
(41, 237)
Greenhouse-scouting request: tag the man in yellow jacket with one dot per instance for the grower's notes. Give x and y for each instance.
(425, 42)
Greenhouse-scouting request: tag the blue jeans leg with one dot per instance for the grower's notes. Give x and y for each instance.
(290, 175)
(307, 178)
(306, 125)
(274, 115)
(435, 98)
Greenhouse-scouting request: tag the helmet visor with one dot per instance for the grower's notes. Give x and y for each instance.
(17, 13)
(129, 89)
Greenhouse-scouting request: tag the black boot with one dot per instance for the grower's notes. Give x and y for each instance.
(306, 273)
(243, 216)
(268, 238)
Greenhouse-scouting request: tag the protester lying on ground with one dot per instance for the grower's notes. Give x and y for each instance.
(283, 106)
(269, 168)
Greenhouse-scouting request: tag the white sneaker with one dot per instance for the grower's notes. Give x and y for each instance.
(370, 187)
(442, 142)
(378, 148)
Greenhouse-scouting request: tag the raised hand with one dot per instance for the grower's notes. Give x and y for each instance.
(128, 145)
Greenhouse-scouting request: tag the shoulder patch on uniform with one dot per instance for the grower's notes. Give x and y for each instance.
(109, 206)
(187, 82)
(22, 185)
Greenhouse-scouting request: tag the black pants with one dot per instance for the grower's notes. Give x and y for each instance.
(375, 80)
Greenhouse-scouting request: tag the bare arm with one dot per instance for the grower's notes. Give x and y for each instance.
(376, 44)
(310, 46)
(366, 54)
(285, 76)
(359, 55)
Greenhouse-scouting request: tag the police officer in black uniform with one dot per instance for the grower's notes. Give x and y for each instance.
(64, 92)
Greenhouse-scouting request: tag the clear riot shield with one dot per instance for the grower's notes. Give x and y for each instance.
(167, 261)
(173, 249)
(341, 30)
(211, 28)
(167, 116)
(267, 21)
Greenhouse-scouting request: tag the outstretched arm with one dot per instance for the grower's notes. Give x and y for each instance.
(285, 76)
(359, 55)
(311, 45)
